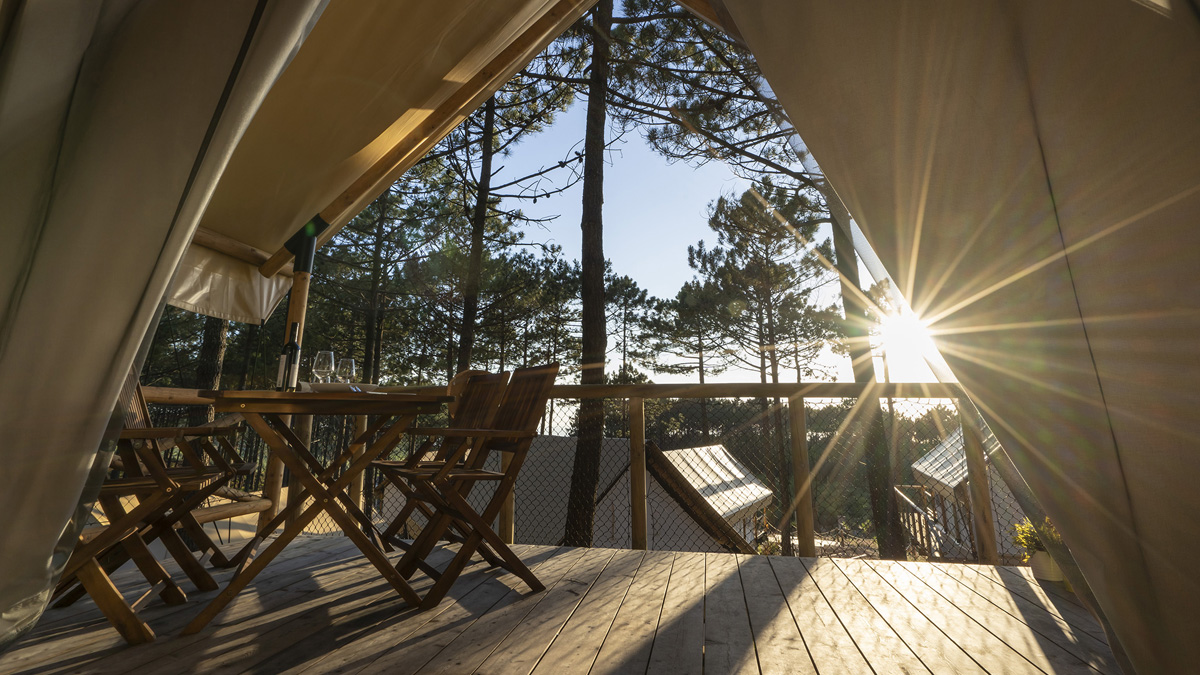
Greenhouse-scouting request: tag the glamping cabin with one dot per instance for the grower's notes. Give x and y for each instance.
(698, 499)
(1026, 174)
(937, 511)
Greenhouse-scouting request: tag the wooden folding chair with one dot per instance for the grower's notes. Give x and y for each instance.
(446, 486)
(477, 400)
(160, 496)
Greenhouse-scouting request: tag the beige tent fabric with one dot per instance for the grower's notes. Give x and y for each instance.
(116, 119)
(371, 76)
(213, 283)
(1029, 172)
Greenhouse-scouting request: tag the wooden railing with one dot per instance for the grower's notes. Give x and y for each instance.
(795, 393)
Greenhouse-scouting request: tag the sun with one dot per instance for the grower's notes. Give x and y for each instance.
(906, 343)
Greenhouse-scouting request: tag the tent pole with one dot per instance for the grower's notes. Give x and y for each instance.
(305, 242)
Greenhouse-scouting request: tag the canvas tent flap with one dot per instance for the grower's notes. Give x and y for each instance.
(1030, 175)
(376, 84)
(216, 284)
(116, 119)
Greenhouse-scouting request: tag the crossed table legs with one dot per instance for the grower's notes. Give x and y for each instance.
(328, 495)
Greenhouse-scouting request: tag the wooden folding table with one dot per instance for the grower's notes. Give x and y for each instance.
(263, 411)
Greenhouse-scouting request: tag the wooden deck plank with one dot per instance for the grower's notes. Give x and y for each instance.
(1044, 594)
(829, 645)
(1051, 626)
(578, 644)
(521, 649)
(985, 648)
(679, 640)
(938, 652)
(260, 604)
(1052, 588)
(97, 640)
(403, 643)
(627, 646)
(132, 584)
(728, 638)
(325, 609)
(777, 638)
(471, 647)
(879, 644)
(1038, 650)
(256, 639)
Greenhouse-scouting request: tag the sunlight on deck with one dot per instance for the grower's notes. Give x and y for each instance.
(321, 608)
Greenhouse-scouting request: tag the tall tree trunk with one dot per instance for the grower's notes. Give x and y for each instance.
(703, 402)
(782, 449)
(483, 193)
(885, 512)
(370, 363)
(251, 337)
(585, 474)
(378, 348)
(208, 367)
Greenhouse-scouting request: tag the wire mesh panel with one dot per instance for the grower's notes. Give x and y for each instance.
(721, 478)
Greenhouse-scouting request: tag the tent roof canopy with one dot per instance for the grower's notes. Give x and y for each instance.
(373, 87)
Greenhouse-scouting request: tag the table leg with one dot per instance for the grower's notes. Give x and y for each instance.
(351, 506)
(324, 499)
(329, 496)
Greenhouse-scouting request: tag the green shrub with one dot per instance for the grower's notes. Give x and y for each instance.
(1029, 537)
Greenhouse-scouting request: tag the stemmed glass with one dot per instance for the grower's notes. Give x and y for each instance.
(323, 366)
(345, 370)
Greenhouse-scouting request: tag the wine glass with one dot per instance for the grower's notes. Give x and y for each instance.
(345, 370)
(323, 366)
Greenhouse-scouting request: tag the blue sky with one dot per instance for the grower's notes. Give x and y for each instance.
(653, 211)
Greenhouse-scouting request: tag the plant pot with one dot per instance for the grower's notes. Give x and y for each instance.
(1044, 567)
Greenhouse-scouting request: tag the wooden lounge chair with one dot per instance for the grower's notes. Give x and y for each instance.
(445, 486)
(160, 496)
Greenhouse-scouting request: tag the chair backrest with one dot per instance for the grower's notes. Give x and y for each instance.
(478, 394)
(522, 408)
(131, 403)
(456, 386)
(145, 456)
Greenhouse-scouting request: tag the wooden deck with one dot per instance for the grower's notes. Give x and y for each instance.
(320, 608)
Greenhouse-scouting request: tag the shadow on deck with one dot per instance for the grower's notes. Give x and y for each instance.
(321, 608)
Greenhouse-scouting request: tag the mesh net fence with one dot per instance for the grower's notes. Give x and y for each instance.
(721, 477)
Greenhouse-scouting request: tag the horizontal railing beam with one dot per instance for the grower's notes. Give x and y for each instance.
(176, 396)
(172, 395)
(739, 390)
(755, 389)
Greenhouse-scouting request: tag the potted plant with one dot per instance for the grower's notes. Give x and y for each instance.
(1040, 562)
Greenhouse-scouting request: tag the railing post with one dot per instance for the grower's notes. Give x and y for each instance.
(637, 472)
(356, 485)
(508, 509)
(806, 545)
(980, 490)
(302, 425)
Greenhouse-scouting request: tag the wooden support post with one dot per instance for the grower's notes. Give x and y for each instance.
(980, 490)
(297, 308)
(302, 425)
(637, 473)
(356, 486)
(807, 545)
(508, 509)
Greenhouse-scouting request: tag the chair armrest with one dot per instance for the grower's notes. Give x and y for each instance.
(175, 432)
(470, 433)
